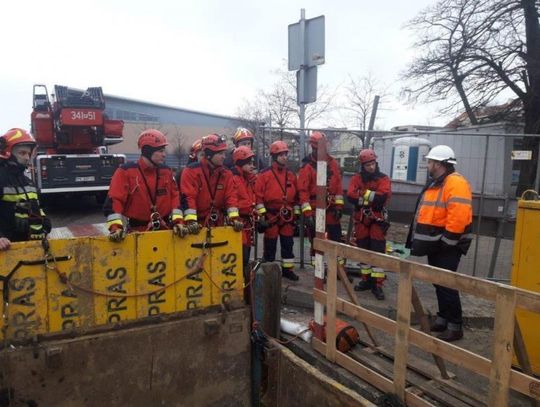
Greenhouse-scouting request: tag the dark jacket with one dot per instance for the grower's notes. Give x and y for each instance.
(21, 217)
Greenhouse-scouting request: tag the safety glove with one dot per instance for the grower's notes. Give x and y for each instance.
(193, 227)
(180, 230)
(237, 224)
(116, 233)
(263, 222)
(338, 213)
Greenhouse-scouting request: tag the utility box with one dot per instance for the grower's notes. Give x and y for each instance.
(526, 273)
(409, 159)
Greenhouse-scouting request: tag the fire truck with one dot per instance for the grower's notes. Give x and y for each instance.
(72, 133)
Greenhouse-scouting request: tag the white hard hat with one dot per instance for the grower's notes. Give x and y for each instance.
(443, 154)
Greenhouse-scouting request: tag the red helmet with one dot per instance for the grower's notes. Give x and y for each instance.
(242, 134)
(153, 138)
(12, 138)
(366, 156)
(278, 147)
(242, 153)
(214, 143)
(195, 148)
(315, 138)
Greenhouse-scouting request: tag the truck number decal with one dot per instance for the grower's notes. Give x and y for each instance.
(82, 115)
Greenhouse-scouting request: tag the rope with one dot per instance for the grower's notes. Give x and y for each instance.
(65, 280)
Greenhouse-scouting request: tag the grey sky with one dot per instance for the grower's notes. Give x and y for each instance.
(205, 55)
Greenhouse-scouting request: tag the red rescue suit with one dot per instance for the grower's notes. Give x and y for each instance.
(146, 195)
(370, 193)
(208, 193)
(276, 192)
(244, 185)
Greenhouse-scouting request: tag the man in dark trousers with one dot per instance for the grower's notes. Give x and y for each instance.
(441, 230)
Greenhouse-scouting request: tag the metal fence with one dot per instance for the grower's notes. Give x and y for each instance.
(485, 157)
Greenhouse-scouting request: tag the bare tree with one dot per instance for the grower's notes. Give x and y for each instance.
(473, 50)
(360, 94)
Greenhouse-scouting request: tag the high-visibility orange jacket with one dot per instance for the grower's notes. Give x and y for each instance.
(443, 216)
(206, 190)
(275, 188)
(307, 184)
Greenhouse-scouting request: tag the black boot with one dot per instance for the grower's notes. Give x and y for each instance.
(289, 274)
(439, 325)
(451, 335)
(363, 285)
(378, 293)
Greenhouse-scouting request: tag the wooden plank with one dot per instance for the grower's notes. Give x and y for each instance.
(424, 326)
(359, 313)
(331, 289)
(384, 367)
(478, 287)
(519, 381)
(419, 365)
(368, 375)
(403, 318)
(499, 378)
(352, 296)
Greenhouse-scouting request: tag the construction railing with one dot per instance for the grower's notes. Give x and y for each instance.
(506, 340)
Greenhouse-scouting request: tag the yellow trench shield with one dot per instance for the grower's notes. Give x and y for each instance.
(85, 282)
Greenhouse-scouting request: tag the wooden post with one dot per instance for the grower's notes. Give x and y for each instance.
(331, 289)
(320, 229)
(403, 322)
(501, 362)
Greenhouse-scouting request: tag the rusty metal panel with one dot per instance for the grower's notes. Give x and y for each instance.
(89, 281)
(174, 363)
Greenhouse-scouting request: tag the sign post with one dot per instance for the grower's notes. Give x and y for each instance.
(306, 51)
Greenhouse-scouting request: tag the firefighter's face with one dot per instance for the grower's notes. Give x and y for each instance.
(249, 167)
(282, 158)
(370, 166)
(22, 153)
(245, 142)
(218, 158)
(158, 157)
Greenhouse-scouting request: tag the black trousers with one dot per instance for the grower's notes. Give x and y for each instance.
(448, 298)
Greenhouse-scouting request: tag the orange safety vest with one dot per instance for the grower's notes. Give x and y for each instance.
(444, 216)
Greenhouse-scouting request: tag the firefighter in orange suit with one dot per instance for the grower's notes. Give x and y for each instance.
(441, 229)
(143, 195)
(208, 195)
(21, 217)
(307, 191)
(276, 192)
(244, 184)
(369, 191)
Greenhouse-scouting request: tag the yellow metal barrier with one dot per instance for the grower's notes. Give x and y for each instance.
(90, 281)
(525, 273)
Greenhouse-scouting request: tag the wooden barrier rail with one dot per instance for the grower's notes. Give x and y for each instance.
(507, 298)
